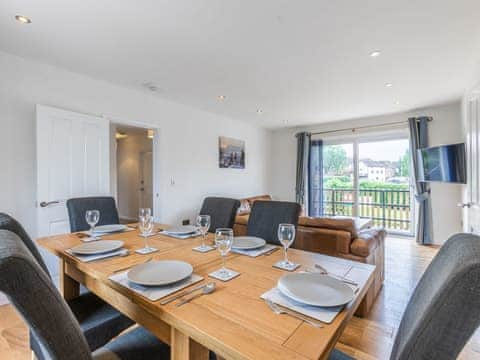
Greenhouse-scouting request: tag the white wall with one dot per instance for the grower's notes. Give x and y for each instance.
(446, 128)
(187, 152)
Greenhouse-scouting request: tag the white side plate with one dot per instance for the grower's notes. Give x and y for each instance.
(182, 230)
(110, 228)
(158, 273)
(248, 242)
(97, 247)
(315, 289)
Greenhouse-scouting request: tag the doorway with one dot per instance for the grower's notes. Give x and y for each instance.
(133, 170)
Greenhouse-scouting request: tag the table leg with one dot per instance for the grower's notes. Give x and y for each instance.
(183, 347)
(69, 288)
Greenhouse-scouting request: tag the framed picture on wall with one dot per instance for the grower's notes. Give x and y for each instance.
(231, 153)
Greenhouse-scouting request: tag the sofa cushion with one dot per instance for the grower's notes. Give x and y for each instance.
(242, 219)
(334, 223)
(244, 207)
(321, 240)
(252, 199)
(366, 242)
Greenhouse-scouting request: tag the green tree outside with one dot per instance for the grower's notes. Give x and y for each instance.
(335, 160)
(405, 164)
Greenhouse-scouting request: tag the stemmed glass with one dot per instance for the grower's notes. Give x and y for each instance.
(286, 235)
(143, 212)
(224, 241)
(92, 217)
(145, 224)
(203, 224)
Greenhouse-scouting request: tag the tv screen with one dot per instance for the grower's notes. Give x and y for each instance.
(443, 163)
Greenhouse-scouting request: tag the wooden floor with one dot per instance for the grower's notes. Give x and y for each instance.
(367, 338)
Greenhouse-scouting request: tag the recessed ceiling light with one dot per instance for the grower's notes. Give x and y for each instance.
(259, 111)
(397, 102)
(375, 53)
(221, 97)
(23, 19)
(388, 84)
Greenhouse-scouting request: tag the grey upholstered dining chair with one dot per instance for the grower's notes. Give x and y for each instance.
(98, 321)
(49, 317)
(77, 208)
(444, 309)
(222, 212)
(267, 215)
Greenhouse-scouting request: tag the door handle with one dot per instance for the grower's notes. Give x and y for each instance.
(45, 204)
(467, 205)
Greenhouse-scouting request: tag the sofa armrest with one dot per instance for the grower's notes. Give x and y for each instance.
(367, 241)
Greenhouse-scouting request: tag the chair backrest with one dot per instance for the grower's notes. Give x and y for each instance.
(444, 310)
(267, 215)
(222, 212)
(78, 207)
(9, 223)
(38, 301)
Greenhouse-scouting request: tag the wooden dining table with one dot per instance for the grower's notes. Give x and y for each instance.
(233, 321)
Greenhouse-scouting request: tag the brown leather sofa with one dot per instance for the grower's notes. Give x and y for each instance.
(335, 236)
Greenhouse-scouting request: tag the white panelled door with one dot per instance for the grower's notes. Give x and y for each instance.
(72, 161)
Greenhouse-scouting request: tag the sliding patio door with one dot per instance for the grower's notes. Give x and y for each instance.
(339, 183)
(384, 184)
(369, 178)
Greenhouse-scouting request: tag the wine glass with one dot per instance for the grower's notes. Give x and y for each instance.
(286, 235)
(203, 224)
(92, 217)
(145, 224)
(224, 241)
(144, 212)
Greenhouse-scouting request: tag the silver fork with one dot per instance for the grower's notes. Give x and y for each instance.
(277, 309)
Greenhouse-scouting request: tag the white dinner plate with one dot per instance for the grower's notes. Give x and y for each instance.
(158, 273)
(97, 247)
(182, 230)
(110, 228)
(315, 289)
(247, 242)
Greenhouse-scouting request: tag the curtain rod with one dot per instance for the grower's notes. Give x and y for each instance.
(365, 127)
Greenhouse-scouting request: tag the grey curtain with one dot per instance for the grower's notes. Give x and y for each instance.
(303, 159)
(315, 184)
(419, 139)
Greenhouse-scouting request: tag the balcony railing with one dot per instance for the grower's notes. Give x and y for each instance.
(390, 209)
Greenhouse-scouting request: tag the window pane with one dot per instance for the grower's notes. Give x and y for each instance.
(338, 191)
(384, 183)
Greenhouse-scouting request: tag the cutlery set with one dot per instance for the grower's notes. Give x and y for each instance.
(206, 289)
(278, 309)
(339, 277)
(268, 253)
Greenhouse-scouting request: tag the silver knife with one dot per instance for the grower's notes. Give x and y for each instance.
(182, 294)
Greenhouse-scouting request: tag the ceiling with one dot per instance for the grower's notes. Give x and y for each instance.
(301, 62)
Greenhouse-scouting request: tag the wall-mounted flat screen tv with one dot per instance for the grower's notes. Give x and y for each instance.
(444, 163)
